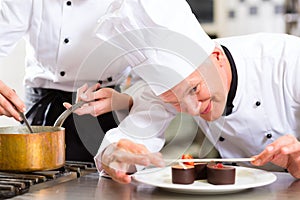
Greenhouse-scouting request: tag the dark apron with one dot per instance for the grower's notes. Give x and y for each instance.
(45, 105)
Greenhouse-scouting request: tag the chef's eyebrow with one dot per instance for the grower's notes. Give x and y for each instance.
(171, 102)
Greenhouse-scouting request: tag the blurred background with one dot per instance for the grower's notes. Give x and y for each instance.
(220, 18)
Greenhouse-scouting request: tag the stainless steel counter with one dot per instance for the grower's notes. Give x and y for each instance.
(92, 187)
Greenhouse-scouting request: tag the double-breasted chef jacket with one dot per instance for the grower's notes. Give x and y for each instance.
(267, 99)
(59, 35)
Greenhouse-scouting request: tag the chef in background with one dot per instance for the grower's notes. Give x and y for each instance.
(243, 91)
(60, 36)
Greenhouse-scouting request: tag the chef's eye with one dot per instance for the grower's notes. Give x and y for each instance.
(195, 89)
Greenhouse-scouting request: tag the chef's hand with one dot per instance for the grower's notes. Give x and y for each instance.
(10, 103)
(119, 159)
(103, 100)
(284, 152)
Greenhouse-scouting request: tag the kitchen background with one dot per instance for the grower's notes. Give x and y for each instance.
(220, 18)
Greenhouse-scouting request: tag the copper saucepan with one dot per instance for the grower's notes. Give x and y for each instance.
(44, 149)
(21, 151)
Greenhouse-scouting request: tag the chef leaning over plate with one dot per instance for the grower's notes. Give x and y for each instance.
(244, 91)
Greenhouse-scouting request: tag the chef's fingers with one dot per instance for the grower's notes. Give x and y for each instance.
(140, 151)
(115, 167)
(121, 156)
(283, 141)
(118, 170)
(132, 146)
(129, 159)
(292, 147)
(122, 177)
(104, 105)
(104, 93)
(11, 96)
(100, 107)
(156, 159)
(119, 159)
(4, 112)
(265, 156)
(11, 103)
(93, 88)
(81, 90)
(117, 175)
(67, 105)
(78, 111)
(89, 94)
(114, 100)
(94, 93)
(95, 109)
(282, 145)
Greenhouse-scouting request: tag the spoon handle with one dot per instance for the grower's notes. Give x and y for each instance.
(26, 122)
(63, 116)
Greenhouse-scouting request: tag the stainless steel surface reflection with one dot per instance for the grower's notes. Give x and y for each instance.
(92, 187)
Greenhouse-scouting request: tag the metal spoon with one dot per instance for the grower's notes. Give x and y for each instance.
(60, 120)
(26, 122)
(22, 116)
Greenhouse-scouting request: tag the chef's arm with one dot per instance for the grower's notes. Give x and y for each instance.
(143, 129)
(15, 18)
(284, 152)
(120, 154)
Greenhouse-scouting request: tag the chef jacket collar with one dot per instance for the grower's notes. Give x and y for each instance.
(233, 85)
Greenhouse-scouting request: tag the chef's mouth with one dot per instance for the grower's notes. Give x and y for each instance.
(207, 109)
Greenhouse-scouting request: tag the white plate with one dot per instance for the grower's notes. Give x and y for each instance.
(245, 178)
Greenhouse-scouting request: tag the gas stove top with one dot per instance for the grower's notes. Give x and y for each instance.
(14, 184)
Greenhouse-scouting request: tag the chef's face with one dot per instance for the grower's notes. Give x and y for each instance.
(204, 92)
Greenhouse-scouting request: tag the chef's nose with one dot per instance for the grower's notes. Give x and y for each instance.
(191, 105)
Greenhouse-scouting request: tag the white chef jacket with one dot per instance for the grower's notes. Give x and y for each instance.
(59, 36)
(267, 100)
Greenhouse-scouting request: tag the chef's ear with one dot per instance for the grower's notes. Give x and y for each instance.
(219, 55)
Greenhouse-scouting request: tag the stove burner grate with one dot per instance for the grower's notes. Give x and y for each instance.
(13, 184)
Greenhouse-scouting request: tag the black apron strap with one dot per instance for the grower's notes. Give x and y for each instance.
(36, 114)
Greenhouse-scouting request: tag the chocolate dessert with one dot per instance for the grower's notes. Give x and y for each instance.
(200, 171)
(219, 174)
(183, 174)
